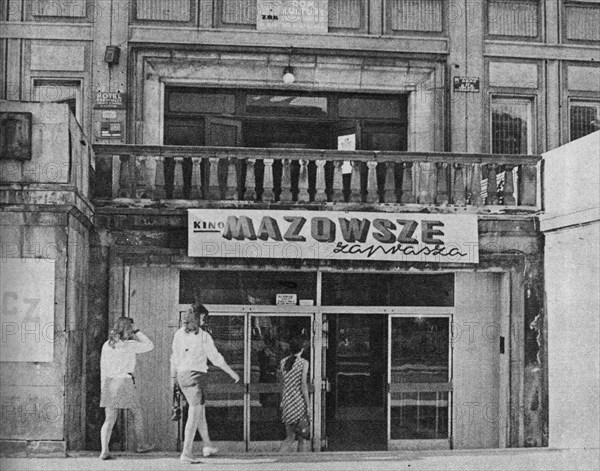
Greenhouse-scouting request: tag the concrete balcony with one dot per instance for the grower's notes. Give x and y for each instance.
(202, 176)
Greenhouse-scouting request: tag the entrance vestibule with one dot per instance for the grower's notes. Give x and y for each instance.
(383, 356)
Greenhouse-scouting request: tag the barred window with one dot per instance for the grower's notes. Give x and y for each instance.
(584, 118)
(511, 126)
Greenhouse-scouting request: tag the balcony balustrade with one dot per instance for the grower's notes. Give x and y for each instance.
(314, 176)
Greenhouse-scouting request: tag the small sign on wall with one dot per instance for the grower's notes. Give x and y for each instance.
(286, 299)
(27, 316)
(110, 100)
(305, 16)
(466, 84)
(110, 129)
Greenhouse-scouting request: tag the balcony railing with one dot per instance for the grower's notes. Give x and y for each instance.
(314, 176)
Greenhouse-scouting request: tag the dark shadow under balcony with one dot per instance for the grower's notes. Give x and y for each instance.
(290, 176)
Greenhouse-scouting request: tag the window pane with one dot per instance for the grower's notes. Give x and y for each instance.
(184, 133)
(244, 287)
(370, 108)
(224, 407)
(510, 120)
(585, 119)
(269, 344)
(286, 105)
(419, 360)
(369, 289)
(190, 102)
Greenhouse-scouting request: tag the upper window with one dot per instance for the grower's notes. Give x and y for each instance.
(271, 119)
(581, 21)
(59, 91)
(511, 126)
(518, 19)
(584, 118)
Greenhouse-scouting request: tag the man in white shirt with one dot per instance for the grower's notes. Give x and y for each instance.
(192, 347)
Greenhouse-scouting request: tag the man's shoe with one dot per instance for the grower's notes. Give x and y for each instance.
(189, 459)
(145, 448)
(105, 456)
(209, 451)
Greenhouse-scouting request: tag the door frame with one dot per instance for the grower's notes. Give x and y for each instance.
(421, 444)
(390, 311)
(314, 385)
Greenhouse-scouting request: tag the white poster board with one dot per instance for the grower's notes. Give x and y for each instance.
(27, 315)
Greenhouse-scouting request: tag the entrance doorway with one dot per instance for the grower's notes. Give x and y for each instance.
(355, 372)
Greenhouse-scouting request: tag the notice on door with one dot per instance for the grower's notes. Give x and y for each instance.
(334, 235)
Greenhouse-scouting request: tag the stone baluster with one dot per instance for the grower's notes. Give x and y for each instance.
(458, 188)
(286, 181)
(250, 194)
(213, 179)
(123, 176)
(268, 194)
(441, 191)
(151, 162)
(178, 179)
(427, 183)
(338, 182)
(508, 192)
(475, 187)
(355, 186)
(390, 183)
(196, 190)
(320, 195)
(527, 178)
(232, 179)
(372, 195)
(141, 176)
(408, 194)
(303, 195)
(159, 179)
(492, 185)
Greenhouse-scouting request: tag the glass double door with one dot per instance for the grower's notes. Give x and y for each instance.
(387, 382)
(246, 416)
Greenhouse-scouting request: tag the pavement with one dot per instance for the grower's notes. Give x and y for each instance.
(460, 460)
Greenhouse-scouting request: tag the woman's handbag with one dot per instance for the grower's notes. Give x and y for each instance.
(176, 409)
(302, 428)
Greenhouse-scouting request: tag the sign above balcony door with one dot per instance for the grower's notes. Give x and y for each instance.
(333, 235)
(282, 16)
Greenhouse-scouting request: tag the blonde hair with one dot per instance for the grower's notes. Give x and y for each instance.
(118, 331)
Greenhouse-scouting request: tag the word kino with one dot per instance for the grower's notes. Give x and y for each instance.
(332, 235)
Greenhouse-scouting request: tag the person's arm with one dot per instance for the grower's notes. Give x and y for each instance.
(304, 387)
(216, 358)
(173, 362)
(141, 343)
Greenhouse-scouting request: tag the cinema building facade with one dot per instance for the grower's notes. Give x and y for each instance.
(368, 183)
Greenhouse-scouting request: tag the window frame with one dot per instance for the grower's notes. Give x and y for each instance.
(332, 109)
(530, 100)
(79, 105)
(573, 100)
(387, 22)
(564, 21)
(500, 37)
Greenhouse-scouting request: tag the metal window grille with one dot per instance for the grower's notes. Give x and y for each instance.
(510, 126)
(584, 119)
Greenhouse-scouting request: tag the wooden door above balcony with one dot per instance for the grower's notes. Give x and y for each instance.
(187, 175)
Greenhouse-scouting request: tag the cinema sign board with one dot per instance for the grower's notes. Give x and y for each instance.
(333, 235)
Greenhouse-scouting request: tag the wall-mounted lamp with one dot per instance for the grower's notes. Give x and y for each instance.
(288, 72)
(111, 55)
(288, 75)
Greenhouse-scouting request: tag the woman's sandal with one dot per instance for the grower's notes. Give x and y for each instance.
(145, 448)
